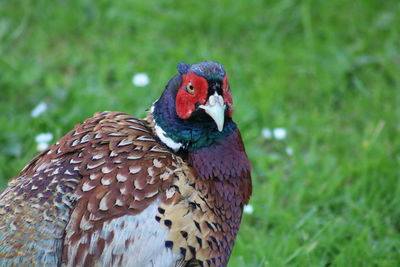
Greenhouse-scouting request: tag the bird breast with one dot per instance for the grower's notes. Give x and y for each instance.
(130, 240)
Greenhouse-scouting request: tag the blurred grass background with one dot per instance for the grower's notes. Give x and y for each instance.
(326, 71)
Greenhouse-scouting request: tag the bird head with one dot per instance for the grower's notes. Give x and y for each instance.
(196, 107)
(204, 89)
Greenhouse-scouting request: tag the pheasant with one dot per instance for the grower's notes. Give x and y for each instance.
(167, 190)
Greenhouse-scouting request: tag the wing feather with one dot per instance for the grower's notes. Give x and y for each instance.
(102, 169)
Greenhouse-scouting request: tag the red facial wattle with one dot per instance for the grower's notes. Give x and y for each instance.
(227, 95)
(186, 101)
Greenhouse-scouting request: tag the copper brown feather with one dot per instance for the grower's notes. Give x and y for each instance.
(117, 168)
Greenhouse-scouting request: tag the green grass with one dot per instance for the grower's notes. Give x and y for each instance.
(326, 71)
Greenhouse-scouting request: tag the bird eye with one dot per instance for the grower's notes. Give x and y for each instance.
(190, 88)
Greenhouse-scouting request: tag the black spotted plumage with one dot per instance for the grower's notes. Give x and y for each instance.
(167, 190)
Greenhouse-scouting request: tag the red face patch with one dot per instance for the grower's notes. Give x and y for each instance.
(227, 95)
(193, 90)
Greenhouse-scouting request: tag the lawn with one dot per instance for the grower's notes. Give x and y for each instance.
(326, 72)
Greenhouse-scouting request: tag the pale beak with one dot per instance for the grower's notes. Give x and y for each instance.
(215, 107)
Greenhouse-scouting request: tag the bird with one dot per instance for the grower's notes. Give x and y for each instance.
(166, 190)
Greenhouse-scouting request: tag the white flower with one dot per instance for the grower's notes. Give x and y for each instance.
(289, 151)
(39, 109)
(140, 79)
(280, 133)
(248, 209)
(44, 138)
(41, 146)
(266, 133)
